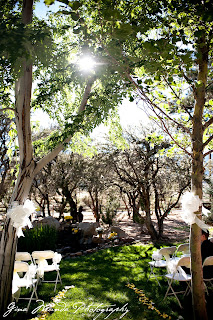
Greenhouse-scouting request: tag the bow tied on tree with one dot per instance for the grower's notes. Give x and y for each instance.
(19, 215)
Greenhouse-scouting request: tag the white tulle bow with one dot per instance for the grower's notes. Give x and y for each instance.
(157, 256)
(190, 205)
(57, 258)
(172, 266)
(19, 215)
(42, 265)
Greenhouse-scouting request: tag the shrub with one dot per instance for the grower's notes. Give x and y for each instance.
(109, 211)
(38, 238)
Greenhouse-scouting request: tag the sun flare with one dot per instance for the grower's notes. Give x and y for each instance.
(87, 64)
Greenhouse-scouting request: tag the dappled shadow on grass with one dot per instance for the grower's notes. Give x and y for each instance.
(102, 278)
(106, 273)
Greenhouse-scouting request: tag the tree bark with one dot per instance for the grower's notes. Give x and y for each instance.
(198, 291)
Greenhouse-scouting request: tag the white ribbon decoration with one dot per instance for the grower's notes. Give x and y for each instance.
(19, 215)
(157, 256)
(42, 264)
(30, 274)
(191, 204)
(172, 266)
(57, 258)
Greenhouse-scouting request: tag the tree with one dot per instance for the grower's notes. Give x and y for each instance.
(67, 175)
(163, 49)
(147, 175)
(89, 107)
(94, 182)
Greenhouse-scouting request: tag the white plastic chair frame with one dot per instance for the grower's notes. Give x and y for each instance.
(166, 253)
(207, 263)
(179, 275)
(40, 258)
(27, 281)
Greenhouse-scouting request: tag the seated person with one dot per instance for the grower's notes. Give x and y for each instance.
(206, 251)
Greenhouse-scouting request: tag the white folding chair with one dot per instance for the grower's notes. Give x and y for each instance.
(41, 257)
(184, 248)
(23, 256)
(178, 274)
(27, 281)
(208, 271)
(160, 259)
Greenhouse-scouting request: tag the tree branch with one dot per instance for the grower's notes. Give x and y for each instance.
(142, 94)
(8, 108)
(51, 155)
(207, 153)
(207, 141)
(167, 131)
(208, 123)
(86, 94)
(187, 80)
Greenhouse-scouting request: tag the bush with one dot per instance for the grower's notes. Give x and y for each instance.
(38, 238)
(109, 211)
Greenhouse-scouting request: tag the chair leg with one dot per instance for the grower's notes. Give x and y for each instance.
(188, 289)
(173, 292)
(169, 286)
(60, 277)
(56, 281)
(34, 291)
(206, 288)
(176, 298)
(152, 273)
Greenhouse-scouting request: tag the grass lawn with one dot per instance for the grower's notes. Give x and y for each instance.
(100, 281)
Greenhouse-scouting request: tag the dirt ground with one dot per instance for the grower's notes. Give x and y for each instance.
(175, 229)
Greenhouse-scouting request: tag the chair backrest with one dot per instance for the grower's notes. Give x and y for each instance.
(46, 254)
(23, 256)
(166, 252)
(208, 261)
(184, 262)
(21, 266)
(183, 248)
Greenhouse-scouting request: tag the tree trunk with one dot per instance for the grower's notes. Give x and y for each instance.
(27, 165)
(135, 210)
(9, 244)
(148, 221)
(198, 291)
(48, 204)
(160, 227)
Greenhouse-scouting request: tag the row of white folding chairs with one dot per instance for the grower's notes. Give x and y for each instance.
(174, 265)
(34, 272)
(178, 274)
(160, 258)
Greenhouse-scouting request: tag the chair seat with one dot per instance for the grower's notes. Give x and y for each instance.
(51, 267)
(158, 263)
(25, 283)
(178, 276)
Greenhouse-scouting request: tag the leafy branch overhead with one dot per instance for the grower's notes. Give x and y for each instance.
(157, 55)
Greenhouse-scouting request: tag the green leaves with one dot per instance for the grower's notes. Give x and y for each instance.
(75, 5)
(49, 2)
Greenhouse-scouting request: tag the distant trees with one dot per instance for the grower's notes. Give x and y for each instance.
(147, 177)
(151, 181)
(57, 184)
